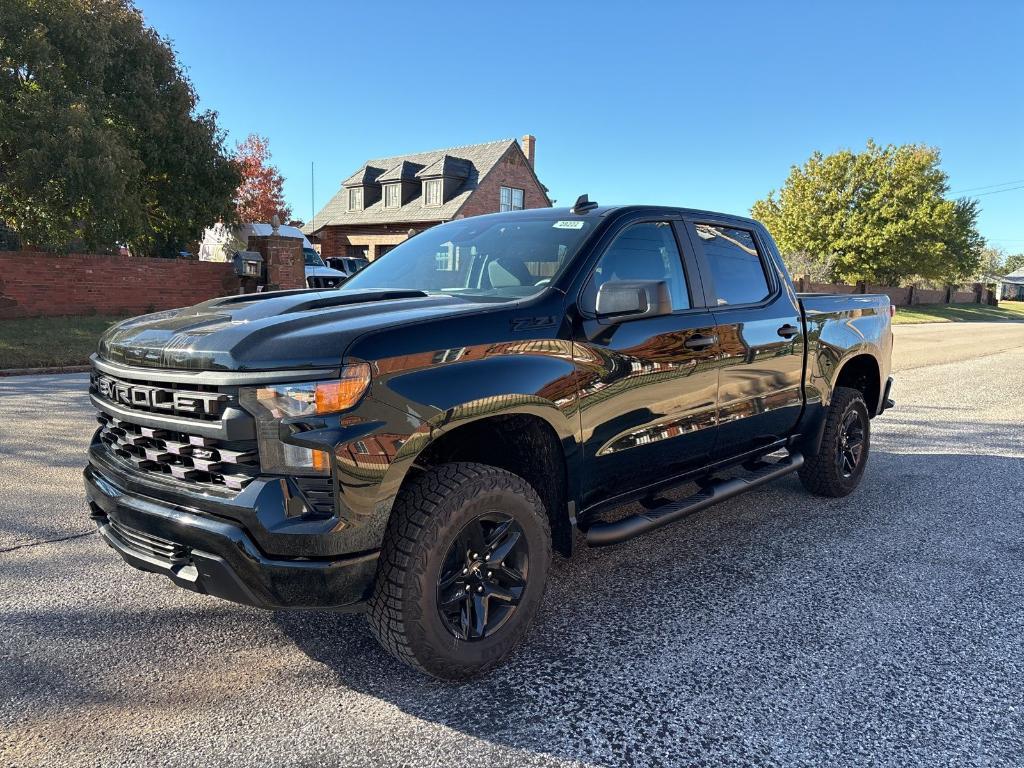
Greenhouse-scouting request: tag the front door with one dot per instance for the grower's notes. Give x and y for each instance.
(648, 386)
(758, 324)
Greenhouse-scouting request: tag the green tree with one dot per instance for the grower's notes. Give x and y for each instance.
(991, 263)
(100, 139)
(879, 215)
(1012, 263)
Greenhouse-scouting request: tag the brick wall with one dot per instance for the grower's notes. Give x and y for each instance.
(513, 170)
(283, 258)
(34, 284)
(925, 296)
(900, 297)
(334, 241)
(809, 287)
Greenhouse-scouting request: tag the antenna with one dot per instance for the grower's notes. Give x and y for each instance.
(312, 196)
(583, 204)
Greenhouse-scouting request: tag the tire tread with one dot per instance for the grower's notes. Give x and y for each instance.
(818, 473)
(414, 527)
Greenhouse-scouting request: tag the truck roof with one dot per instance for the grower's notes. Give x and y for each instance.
(604, 210)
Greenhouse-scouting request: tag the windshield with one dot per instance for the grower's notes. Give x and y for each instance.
(503, 256)
(312, 258)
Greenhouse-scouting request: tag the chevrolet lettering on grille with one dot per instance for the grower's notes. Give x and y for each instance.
(207, 404)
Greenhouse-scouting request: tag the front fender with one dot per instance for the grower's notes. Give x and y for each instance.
(422, 401)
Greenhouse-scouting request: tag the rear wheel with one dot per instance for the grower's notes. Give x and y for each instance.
(840, 462)
(462, 569)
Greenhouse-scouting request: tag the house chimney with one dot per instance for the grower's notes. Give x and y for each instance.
(530, 148)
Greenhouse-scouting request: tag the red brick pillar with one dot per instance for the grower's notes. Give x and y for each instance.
(286, 266)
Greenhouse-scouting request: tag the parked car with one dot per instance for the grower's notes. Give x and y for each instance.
(347, 264)
(417, 443)
(318, 274)
(221, 242)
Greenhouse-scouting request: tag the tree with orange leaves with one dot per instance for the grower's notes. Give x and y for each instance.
(260, 196)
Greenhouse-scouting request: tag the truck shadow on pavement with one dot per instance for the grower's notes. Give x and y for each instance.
(777, 621)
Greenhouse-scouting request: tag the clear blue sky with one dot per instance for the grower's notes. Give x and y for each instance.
(705, 105)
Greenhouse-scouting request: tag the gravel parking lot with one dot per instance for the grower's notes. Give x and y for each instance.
(775, 629)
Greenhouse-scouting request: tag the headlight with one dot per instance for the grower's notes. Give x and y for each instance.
(276, 402)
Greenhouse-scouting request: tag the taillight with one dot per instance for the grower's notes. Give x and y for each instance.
(892, 310)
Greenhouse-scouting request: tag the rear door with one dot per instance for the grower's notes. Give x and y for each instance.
(760, 336)
(647, 386)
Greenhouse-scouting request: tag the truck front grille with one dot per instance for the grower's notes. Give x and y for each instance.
(323, 282)
(193, 459)
(160, 398)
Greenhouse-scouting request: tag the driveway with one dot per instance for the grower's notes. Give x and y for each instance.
(775, 629)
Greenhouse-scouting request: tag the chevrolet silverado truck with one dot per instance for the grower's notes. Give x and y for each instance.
(419, 442)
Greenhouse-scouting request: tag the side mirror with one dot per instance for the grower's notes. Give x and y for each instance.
(621, 300)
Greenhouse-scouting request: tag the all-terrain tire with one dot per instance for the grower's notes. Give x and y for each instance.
(430, 513)
(823, 474)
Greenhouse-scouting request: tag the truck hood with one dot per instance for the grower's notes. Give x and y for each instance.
(268, 331)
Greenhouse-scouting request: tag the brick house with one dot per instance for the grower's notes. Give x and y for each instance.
(380, 203)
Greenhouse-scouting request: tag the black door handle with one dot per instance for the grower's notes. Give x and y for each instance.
(700, 341)
(788, 331)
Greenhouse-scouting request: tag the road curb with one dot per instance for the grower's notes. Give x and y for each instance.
(40, 371)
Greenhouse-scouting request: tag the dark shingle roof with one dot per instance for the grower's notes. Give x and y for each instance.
(404, 171)
(476, 160)
(447, 166)
(368, 174)
(1017, 276)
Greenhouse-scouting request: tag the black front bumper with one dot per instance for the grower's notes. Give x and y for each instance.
(217, 557)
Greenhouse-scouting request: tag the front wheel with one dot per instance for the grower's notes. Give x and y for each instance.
(462, 569)
(838, 466)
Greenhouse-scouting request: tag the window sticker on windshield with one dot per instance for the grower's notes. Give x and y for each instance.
(569, 224)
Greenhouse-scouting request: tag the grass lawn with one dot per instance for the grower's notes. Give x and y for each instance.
(1007, 311)
(50, 342)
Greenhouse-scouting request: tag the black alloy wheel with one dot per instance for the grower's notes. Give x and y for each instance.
(850, 447)
(838, 464)
(483, 576)
(462, 569)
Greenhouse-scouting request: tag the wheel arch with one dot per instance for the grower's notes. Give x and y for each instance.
(858, 369)
(862, 372)
(523, 434)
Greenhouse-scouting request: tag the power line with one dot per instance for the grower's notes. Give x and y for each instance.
(997, 191)
(988, 186)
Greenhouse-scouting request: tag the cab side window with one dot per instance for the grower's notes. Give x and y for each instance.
(736, 266)
(644, 251)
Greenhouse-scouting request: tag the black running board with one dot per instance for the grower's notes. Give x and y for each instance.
(601, 534)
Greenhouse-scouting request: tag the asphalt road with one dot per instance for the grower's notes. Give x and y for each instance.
(775, 629)
(935, 343)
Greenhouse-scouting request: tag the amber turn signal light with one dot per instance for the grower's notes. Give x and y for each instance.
(341, 394)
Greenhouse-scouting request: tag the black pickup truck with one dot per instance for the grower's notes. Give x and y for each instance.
(420, 441)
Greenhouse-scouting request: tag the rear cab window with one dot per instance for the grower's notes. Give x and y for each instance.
(737, 268)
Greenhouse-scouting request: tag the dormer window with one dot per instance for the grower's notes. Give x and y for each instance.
(432, 190)
(511, 199)
(355, 199)
(392, 195)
